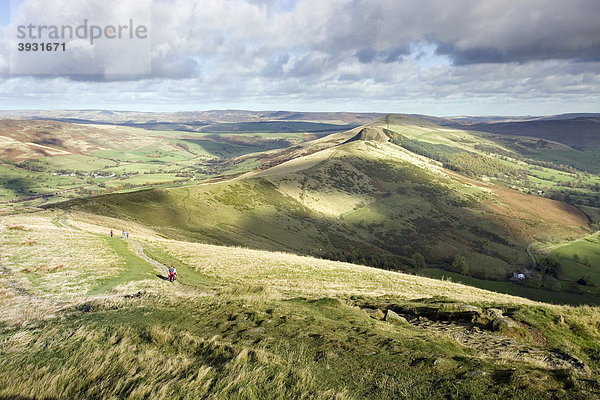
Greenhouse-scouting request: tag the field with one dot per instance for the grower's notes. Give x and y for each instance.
(223, 330)
(53, 161)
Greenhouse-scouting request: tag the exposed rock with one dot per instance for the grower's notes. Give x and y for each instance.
(371, 134)
(504, 325)
(476, 373)
(394, 318)
(374, 313)
(469, 308)
(488, 316)
(492, 313)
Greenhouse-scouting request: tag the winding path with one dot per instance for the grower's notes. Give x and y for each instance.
(533, 261)
(138, 249)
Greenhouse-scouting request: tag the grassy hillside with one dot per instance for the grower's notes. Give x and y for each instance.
(531, 164)
(244, 323)
(367, 202)
(275, 296)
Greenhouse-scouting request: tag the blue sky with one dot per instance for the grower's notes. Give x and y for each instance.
(4, 12)
(464, 57)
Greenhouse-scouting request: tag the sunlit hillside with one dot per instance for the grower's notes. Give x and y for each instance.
(377, 195)
(97, 321)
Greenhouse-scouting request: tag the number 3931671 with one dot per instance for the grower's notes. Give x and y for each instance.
(42, 46)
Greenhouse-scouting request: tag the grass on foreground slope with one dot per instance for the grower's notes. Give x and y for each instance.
(135, 269)
(48, 259)
(275, 325)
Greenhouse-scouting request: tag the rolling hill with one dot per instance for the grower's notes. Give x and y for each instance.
(363, 196)
(43, 160)
(275, 246)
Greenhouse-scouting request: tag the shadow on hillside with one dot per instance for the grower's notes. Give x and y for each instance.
(411, 211)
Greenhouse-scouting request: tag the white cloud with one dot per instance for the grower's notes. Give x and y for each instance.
(344, 53)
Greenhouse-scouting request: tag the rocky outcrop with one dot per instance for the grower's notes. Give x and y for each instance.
(370, 134)
(394, 318)
(374, 313)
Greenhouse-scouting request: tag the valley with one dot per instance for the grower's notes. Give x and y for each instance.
(319, 255)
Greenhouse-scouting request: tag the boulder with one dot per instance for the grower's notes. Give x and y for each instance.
(487, 317)
(505, 325)
(374, 313)
(394, 318)
(492, 313)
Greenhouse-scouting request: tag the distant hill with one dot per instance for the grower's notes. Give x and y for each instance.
(187, 117)
(580, 131)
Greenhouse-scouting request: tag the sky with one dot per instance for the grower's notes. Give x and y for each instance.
(435, 57)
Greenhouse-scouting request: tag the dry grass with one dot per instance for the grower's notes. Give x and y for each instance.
(159, 363)
(294, 275)
(49, 260)
(15, 227)
(531, 217)
(252, 335)
(102, 225)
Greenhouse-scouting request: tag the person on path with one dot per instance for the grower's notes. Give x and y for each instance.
(111, 233)
(123, 234)
(127, 234)
(172, 274)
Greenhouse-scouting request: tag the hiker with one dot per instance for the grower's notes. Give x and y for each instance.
(127, 234)
(111, 233)
(123, 234)
(172, 274)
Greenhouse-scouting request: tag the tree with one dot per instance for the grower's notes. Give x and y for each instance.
(460, 265)
(418, 261)
(550, 265)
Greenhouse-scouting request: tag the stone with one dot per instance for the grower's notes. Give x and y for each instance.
(469, 308)
(394, 318)
(504, 325)
(374, 313)
(492, 313)
(487, 317)
(476, 373)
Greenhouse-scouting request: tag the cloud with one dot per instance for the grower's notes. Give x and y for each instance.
(255, 32)
(338, 50)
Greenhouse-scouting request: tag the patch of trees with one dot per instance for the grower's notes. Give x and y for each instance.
(418, 261)
(574, 197)
(459, 160)
(493, 150)
(550, 265)
(372, 260)
(33, 164)
(460, 265)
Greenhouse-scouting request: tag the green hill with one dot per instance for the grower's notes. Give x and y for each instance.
(370, 202)
(276, 294)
